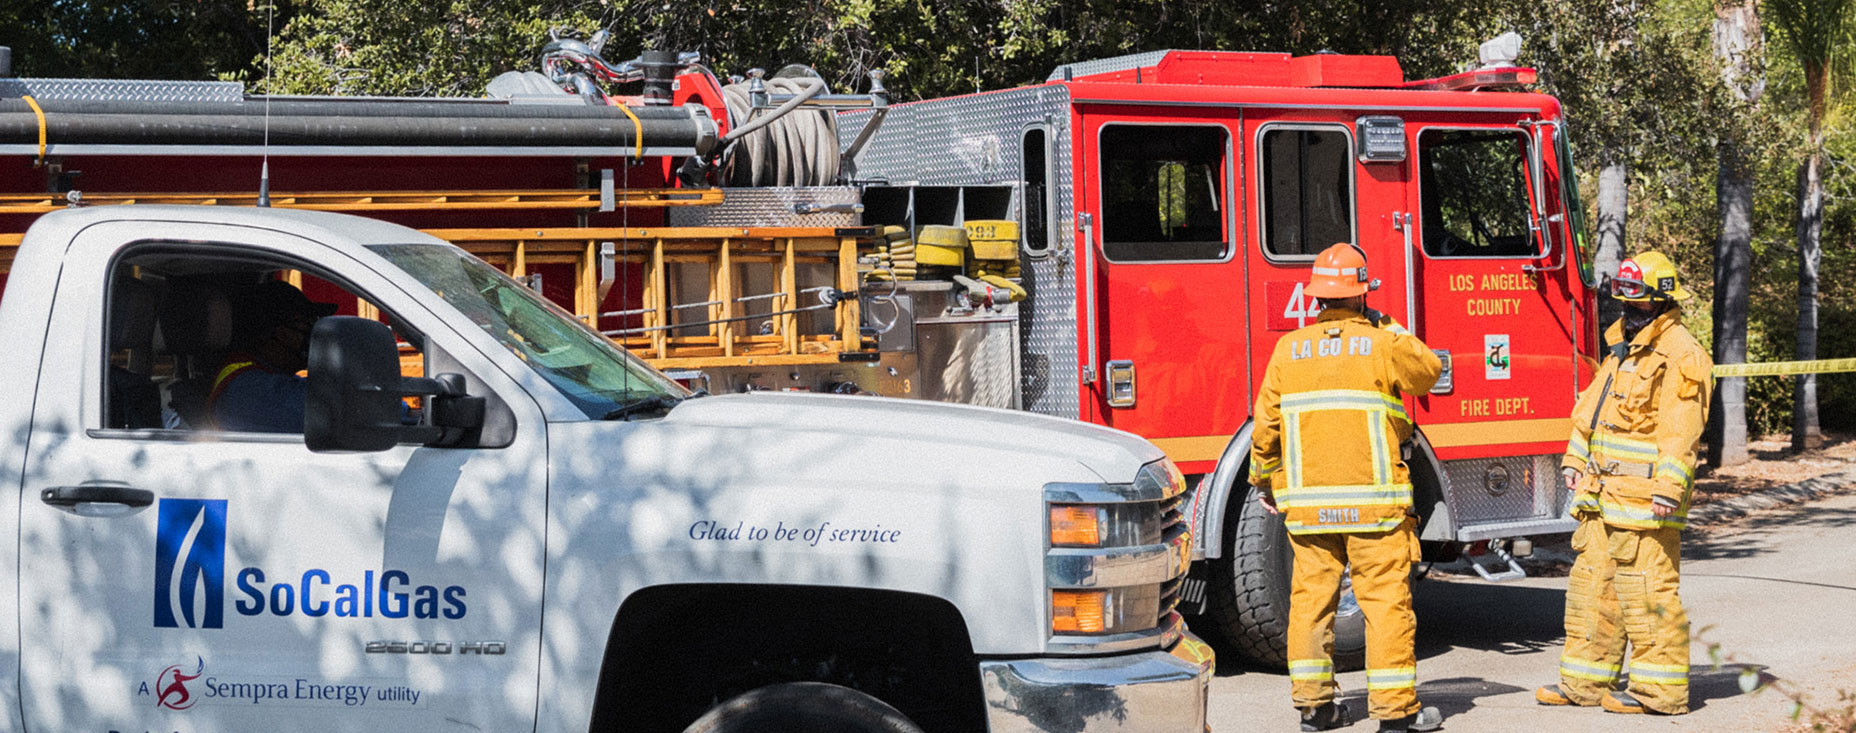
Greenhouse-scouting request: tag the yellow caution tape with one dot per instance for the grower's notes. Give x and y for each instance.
(1781, 368)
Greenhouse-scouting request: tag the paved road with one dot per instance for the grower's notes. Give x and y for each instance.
(1779, 590)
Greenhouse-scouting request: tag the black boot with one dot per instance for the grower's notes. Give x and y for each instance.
(1427, 719)
(1326, 716)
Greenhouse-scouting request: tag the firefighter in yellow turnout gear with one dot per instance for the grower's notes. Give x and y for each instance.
(1631, 467)
(1329, 422)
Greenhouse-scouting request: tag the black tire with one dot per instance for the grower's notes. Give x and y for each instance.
(1247, 599)
(803, 707)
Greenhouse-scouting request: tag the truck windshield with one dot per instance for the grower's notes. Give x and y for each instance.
(596, 375)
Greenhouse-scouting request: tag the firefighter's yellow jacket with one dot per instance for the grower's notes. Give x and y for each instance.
(1651, 403)
(1329, 420)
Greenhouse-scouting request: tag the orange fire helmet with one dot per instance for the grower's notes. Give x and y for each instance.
(1340, 272)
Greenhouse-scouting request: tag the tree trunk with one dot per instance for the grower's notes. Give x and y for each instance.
(1805, 431)
(1613, 201)
(1733, 275)
(1738, 46)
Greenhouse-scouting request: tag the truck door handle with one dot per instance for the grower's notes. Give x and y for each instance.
(72, 497)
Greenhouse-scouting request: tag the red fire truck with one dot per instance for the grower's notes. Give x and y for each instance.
(1121, 244)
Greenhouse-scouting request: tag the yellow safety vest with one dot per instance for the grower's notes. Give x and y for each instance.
(224, 378)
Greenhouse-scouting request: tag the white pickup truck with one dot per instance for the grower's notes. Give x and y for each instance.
(533, 531)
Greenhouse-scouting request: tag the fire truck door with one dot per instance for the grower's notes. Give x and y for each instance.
(1312, 190)
(1492, 287)
(1170, 308)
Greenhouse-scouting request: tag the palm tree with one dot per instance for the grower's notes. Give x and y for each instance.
(1815, 30)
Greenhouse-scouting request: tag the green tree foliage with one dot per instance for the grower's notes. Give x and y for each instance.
(135, 39)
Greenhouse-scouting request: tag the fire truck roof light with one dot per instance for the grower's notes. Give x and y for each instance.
(1500, 51)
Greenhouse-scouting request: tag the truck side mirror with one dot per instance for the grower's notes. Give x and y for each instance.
(352, 402)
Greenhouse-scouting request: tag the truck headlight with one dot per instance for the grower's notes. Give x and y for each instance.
(1120, 524)
(1116, 557)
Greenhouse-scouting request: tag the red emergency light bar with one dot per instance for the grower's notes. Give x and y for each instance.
(1507, 76)
(1250, 69)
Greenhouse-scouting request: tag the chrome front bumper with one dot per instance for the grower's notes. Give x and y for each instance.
(1148, 691)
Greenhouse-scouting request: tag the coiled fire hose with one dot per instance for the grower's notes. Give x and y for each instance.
(783, 146)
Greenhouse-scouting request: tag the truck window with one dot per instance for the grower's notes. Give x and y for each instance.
(1162, 188)
(588, 369)
(1474, 188)
(204, 342)
(1307, 190)
(1035, 149)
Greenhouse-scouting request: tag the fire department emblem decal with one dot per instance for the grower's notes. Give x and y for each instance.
(1630, 271)
(1495, 356)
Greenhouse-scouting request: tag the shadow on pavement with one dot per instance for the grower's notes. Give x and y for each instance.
(1746, 537)
(1509, 619)
(1451, 696)
(1706, 685)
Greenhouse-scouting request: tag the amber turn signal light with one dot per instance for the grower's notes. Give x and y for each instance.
(1072, 524)
(1079, 611)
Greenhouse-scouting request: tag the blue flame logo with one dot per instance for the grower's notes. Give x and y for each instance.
(190, 563)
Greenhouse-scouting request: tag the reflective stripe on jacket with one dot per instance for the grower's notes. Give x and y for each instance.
(1647, 429)
(1329, 419)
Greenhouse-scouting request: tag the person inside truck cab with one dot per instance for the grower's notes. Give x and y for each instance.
(256, 388)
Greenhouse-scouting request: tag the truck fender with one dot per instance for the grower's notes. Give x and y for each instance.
(1212, 497)
(1427, 491)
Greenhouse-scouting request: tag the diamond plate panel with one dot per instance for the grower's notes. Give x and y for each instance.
(772, 206)
(1108, 65)
(977, 139)
(123, 90)
(1475, 490)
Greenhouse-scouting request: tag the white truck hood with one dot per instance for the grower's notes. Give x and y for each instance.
(1110, 455)
(867, 492)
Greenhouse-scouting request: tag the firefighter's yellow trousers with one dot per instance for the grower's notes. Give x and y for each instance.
(1628, 576)
(1382, 582)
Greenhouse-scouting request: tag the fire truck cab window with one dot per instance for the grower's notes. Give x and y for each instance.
(1475, 193)
(1307, 190)
(1162, 188)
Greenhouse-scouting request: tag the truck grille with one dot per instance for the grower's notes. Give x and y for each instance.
(1172, 524)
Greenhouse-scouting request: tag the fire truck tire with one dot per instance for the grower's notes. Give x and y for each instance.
(1248, 597)
(803, 706)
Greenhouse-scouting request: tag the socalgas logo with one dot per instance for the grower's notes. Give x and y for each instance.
(190, 563)
(190, 580)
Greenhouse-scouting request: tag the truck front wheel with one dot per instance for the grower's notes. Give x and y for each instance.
(1248, 594)
(803, 706)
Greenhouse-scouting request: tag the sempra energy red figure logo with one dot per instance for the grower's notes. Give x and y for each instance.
(171, 686)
